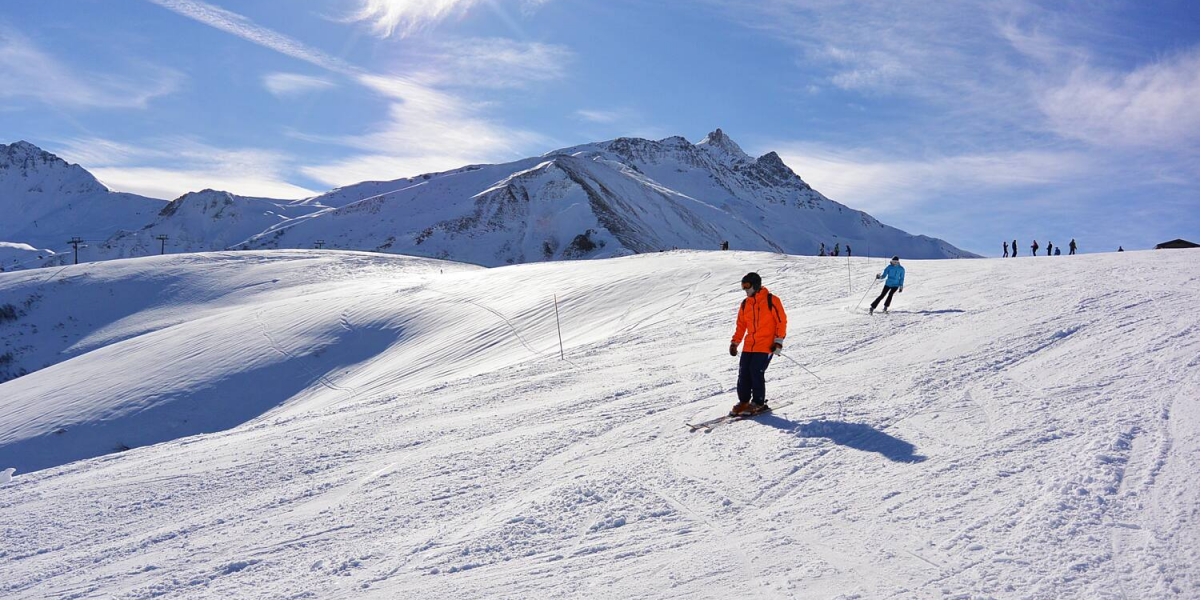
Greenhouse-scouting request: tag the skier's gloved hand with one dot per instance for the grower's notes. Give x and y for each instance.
(733, 349)
(901, 289)
(879, 276)
(777, 347)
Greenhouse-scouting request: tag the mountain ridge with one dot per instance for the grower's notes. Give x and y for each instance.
(602, 199)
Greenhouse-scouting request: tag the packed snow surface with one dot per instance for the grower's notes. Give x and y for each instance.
(316, 424)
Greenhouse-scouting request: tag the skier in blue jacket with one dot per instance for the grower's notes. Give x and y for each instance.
(894, 274)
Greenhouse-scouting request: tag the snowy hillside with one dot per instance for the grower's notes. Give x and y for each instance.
(397, 427)
(46, 201)
(625, 196)
(14, 253)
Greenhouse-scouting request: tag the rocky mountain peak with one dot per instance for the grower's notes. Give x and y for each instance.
(722, 146)
(28, 167)
(22, 153)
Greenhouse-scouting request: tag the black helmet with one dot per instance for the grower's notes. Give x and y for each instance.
(753, 279)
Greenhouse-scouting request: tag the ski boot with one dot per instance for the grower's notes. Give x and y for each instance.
(759, 408)
(740, 409)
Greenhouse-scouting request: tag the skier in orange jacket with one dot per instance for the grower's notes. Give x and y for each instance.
(761, 328)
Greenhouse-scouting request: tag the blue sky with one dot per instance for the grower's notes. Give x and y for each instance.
(974, 121)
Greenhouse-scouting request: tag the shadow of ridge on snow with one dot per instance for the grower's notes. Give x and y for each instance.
(858, 436)
(222, 402)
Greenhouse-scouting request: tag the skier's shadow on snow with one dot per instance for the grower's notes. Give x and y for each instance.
(851, 435)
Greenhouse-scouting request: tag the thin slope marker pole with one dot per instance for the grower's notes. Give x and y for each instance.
(872, 284)
(849, 282)
(561, 353)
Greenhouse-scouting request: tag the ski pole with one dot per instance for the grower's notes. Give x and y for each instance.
(864, 296)
(802, 366)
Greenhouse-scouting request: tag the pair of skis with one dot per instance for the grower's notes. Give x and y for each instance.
(712, 423)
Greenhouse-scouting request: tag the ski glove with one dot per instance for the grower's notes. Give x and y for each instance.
(901, 289)
(777, 347)
(733, 349)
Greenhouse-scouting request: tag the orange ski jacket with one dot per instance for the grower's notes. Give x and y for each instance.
(760, 322)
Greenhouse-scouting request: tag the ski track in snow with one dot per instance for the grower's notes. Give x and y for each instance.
(1023, 428)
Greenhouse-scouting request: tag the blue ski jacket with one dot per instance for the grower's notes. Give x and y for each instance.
(894, 275)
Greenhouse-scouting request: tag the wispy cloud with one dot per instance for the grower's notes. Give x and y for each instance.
(169, 183)
(880, 183)
(1155, 105)
(231, 22)
(425, 127)
(867, 70)
(924, 49)
(600, 116)
(28, 71)
(390, 17)
(292, 84)
(170, 167)
(494, 63)
(425, 130)
(618, 121)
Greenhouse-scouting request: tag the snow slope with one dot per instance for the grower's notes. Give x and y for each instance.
(396, 427)
(601, 200)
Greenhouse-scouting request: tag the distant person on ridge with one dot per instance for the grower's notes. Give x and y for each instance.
(1120, 249)
(895, 282)
(847, 250)
(1049, 248)
(1014, 249)
(761, 327)
(1034, 247)
(837, 248)
(1072, 247)
(1005, 250)
(1058, 251)
(822, 249)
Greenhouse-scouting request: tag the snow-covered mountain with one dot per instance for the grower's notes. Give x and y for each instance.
(625, 196)
(316, 424)
(46, 201)
(203, 221)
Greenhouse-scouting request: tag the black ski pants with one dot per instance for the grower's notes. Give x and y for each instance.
(752, 377)
(887, 291)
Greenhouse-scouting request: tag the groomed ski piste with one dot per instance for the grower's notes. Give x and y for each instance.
(317, 424)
